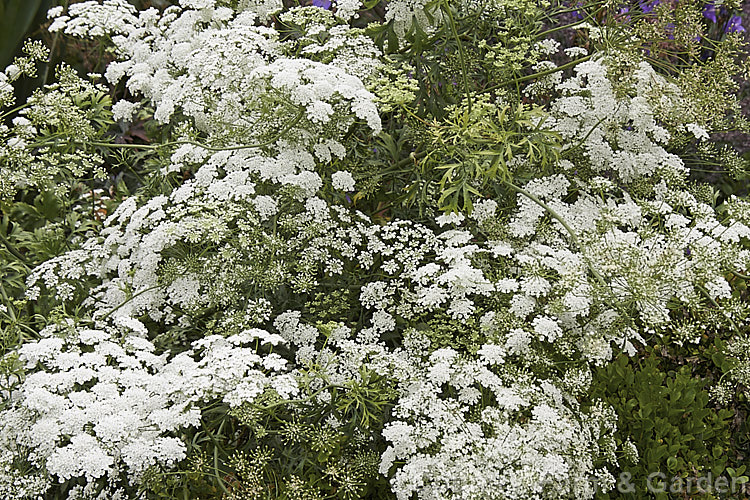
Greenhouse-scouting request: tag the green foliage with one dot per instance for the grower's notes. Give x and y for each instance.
(288, 449)
(488, 142)
(668, 416)
(444, 331)
(336, 305)
(42, 154)
(16, 17)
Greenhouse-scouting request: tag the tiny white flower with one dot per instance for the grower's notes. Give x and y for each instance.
(450, 218)
(699, 132)
(342, 180)
(54, 12)
(124, 110)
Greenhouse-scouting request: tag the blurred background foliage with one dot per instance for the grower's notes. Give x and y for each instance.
(17, 17)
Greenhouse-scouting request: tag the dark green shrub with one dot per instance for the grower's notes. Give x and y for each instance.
(680, 437)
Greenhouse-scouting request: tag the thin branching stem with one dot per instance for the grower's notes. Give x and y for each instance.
(125, 302)
(13, 250)
(516, 81)
(461, 55)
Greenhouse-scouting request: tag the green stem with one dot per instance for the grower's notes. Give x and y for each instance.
(546, 207)
(516, 81)
(13, 250)
(14, 110)
(303, 400)
(559, 28)
(461, 56)
(709, 171)
(569, 229)
(578, 8)
(45, 72)
(415, 116)
(571, 25)
(129, 299)
(580, 143)
(216, 465)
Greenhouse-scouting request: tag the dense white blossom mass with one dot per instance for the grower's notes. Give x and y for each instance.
(581, 271)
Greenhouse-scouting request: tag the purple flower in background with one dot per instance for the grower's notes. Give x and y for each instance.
(323, 4)
(623, 12)
(670, 30)
(648, 7)
(734, 25)
(576, 13)
(709, 12)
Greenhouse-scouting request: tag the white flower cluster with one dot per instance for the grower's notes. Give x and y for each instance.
(321, 88)
(404, 13)
(228, 74)
(124, 110)
(617, 134)
(323, 38)
(57, 109)
(100, 402)
(94, 19)
(136, 275)
(342, 180)
(15, 484)
(532, 443)
(640, 255)
(548, 287)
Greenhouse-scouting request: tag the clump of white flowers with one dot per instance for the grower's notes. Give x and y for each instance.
(173, 60)
(533, 442)
(244, 281)
(100, 402)
(342, 180)
(617, 134)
